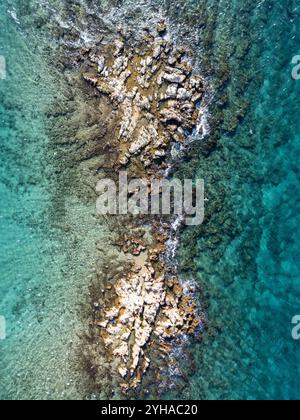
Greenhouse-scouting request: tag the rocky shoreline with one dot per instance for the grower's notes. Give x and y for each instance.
(154, 98)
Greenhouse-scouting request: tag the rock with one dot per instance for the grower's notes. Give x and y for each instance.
(94, 57)
(125, 75)
(159, 81)
(170, 116)
(174, 78)
(162, 28)
(155, 68)
(90, 78)
(131, 95)
(147, 162)
(143, 140)
(185, 67)
(128, 123)
(149, 61)
(146, 364)
(197, 98)
(172, 61)
(144, 303)
(102, 324)
(123, 161)
(183, 94)
(157, 51)
(142, 82)
(101, 64)
(122, 351)
(119, 47)
(112, 314)
(142, 102)
(174, 70)
(158, 154)
(120, 65)
(172, 91)
(179, 138)
(196, 82)
(104, 88)
(123, 372)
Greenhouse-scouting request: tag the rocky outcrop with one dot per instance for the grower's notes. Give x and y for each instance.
(149, 303)
(155, 89)
(155, 95)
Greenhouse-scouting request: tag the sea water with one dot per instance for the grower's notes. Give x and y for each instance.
(247, 254)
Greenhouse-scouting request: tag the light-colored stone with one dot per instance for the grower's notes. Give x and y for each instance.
(143, 140)
(119, 47)
(183, 94)
(141, 304)
(172, 91)
(174, 78)
(101, 64)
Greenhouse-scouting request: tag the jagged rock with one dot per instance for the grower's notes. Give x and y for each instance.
(119, 47)
(196, 82)
(131, 95)
(172, 91)
(170, 115)
(120, 65)
(158, 154)
(142, 82)
(90, 78)
(144, 303)
(157, 51)
(128, 122)
(102, 324)
(112, 314)
(179, 138)
(149, 61)
(172, 61)
(185, 67)
(104, 88)
(155, 68)
(183, 94)
(123, 372)
(125, 75)
(197, 98)
(123, 160)
(162, 28)
(143, 140)
(142, 102)
(147, 162)
(101, 64)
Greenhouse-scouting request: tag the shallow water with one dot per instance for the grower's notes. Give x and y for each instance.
(245, 256)
(45, 269)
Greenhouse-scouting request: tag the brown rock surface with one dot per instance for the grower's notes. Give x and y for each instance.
(155, 95)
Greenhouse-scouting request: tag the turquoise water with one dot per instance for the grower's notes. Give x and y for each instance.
(44, 269)
(246, 255)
